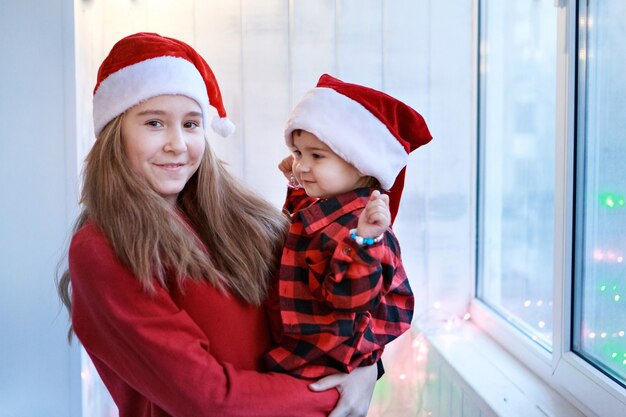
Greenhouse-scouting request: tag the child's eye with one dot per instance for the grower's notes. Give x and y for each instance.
(191, 124)
(296, 153)
(317, 156)
(154, 123)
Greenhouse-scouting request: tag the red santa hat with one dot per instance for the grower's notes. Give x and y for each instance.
(367, 128)
(146, 65)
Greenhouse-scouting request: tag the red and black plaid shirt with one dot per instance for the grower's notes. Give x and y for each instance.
(336, 303)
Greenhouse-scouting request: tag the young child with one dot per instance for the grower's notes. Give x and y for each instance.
(342, 292)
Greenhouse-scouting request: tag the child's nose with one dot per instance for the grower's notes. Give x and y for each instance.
(302, 166)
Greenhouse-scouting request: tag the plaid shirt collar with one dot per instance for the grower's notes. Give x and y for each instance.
(323, 212)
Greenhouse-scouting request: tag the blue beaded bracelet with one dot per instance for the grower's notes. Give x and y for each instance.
(365, 240)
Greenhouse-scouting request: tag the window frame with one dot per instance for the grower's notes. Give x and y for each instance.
(565, 371)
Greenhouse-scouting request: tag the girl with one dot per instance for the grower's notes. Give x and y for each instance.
(166, 295)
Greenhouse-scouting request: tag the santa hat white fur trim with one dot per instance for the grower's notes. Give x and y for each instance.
(222, 126)
(139, 82)
(351, 131)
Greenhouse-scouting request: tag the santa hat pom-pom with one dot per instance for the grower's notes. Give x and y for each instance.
(222, 126)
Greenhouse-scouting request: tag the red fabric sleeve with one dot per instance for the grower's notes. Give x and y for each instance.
(355, 279)
(159, 351)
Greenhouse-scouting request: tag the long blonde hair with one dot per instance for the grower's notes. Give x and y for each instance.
(235, 239)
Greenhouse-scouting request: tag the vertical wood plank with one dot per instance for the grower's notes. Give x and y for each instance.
(265, 93)
(449, 186)
(406, 37)
(218, 37)
(405, 51)
(169, 18)
(121, 18)
(89, 54)
(312, 44)
(359, 41)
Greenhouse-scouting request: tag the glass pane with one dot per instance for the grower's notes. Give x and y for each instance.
(516, 162)
(600, 276)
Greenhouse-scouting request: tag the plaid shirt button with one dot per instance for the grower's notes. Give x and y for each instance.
(347, 250)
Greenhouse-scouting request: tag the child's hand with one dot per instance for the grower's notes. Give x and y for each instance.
(376, 217)
(286, 167)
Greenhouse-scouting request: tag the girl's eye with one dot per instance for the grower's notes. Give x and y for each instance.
(296, 153)
(191, 124)
(317, 156)
(154, 123)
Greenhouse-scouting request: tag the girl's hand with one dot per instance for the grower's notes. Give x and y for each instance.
(355, 390)
(376, 217)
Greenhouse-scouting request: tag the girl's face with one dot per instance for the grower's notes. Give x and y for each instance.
(321, 171)
(164, 142)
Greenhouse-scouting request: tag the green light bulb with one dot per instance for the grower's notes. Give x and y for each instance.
(607, 200)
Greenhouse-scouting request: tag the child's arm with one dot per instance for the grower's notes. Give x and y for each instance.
(358, 275)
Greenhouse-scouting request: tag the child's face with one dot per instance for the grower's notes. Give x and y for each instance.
(164, 142)
(319, 170)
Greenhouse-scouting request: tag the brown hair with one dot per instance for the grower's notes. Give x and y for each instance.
(241, 234)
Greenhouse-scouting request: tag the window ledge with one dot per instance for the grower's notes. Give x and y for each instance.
(495, 379)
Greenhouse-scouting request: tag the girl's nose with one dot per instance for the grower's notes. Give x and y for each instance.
(176, 141)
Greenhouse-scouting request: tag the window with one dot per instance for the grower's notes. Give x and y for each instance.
(600, 230)
(551, 207)
(516, 163)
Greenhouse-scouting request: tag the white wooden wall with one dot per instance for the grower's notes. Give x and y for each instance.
(266, 54)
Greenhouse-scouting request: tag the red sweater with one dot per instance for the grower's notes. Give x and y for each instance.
(195, 353)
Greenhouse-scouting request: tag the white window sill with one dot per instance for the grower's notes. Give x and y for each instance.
(496, 381)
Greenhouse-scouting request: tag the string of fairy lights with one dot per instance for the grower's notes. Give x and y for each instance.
(609, 342)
